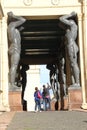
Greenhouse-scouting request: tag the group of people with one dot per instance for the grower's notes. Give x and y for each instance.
(42, 99)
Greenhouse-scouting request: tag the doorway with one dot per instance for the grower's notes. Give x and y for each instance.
(42, 41)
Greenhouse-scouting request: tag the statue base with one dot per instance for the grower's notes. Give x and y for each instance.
(61, 104)
(74, 98)
(71, 102)
(15, 101)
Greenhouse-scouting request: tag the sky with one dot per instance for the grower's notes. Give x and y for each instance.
(44, 74)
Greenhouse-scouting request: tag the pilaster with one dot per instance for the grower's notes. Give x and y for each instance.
(84, 105)
(0, 65)
(82, 22)
(4, 66)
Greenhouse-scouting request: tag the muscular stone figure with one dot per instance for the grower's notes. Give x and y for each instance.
(57, 84)
(63, 75)
(24, 82)
(15, 39)
(72, 48)
(52, 69)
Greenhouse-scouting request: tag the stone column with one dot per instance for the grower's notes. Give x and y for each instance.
(4, 106)
(0, 65)
(82, 21)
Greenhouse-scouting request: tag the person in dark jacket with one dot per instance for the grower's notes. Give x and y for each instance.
(46, 98)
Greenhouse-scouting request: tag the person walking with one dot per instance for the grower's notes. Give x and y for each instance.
(37, 98)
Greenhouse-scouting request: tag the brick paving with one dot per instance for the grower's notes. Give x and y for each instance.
(51, 120)
(5, 119)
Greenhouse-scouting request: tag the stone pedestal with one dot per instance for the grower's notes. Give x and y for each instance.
(15, 101)
(60, 104)
(74, 98)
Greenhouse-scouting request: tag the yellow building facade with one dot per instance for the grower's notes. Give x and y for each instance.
(32, 9)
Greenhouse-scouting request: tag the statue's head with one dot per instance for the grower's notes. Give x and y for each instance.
(10, 16)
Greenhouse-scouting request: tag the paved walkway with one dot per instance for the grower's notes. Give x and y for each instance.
(5, 119)
(51, 120)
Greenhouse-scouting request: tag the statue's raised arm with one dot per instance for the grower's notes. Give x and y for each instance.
(65, 18)
(17, 19)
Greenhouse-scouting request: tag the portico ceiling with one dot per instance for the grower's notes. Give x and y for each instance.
(41, 41)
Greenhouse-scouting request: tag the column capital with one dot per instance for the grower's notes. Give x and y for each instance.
(80, 16)
(1, 12)
(4, 19)
(84, 1)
